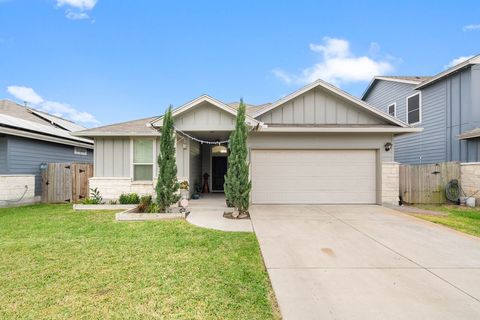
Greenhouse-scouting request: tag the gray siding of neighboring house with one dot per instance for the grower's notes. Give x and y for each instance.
(449, 107)
(3, 154)
(463, 114)
(383, 94)
(25, 155)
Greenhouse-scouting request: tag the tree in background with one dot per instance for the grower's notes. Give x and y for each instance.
(167, 183)
(237, 183)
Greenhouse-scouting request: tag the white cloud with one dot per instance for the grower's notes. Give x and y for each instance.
(456, 61)
(76, 15)
(26, 94)
(471, 27)
(76, 9)
(338, 64)
(79, 4)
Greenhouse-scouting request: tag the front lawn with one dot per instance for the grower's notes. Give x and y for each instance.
(457, 217)
(56, 263)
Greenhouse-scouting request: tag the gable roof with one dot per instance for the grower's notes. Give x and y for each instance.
(251, 108)
(22, 121)
(138, 127)
(338, 92)
(205, 98)
(413, 80)
(448, 72)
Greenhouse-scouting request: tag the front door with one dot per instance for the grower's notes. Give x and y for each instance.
(219, 170)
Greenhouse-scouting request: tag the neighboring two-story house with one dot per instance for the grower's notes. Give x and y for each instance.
(446, 105)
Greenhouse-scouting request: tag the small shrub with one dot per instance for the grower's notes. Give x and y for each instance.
(145, 203)
(95, 197)
(153, 208)
(129, 198)
(89, 201)
(112, 202)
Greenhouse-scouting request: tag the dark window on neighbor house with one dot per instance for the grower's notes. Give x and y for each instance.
(414, 109)
(391, 109)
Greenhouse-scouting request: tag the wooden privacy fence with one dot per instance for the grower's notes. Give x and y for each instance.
(65, 182)
(425, 183)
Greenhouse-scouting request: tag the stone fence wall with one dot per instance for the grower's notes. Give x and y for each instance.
(17, 189)
(470, 179)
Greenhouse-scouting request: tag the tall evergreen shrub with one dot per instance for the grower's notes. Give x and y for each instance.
(237, 183)
(167, 183)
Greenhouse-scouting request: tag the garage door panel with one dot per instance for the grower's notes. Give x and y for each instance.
(301, 170)
(341, 185)
(313, 176)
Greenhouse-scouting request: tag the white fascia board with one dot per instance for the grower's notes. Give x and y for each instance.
(36, 136)
(398, 80)
(116, 134)
(340, 129)
(206, 98)
(466, 63)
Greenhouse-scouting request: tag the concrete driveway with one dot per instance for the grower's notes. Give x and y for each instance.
(366, 262)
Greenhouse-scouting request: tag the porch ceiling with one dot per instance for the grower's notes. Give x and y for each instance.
(210, 135)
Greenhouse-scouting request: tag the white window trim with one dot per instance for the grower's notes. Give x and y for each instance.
(132, 164)
(394, 109)
(80, 153)
(419, 94)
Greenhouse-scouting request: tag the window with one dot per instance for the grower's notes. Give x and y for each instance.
(142, 160)
(80, 151)
(414, 109)
(392, 109)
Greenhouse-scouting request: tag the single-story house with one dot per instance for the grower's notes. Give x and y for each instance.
(30, 138)
(318, 145)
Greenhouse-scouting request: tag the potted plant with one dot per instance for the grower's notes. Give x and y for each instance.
(184, 186)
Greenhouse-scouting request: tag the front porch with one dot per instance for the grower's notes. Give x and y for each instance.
(202, 159)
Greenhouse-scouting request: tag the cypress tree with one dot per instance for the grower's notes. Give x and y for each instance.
(167, 183)
(228, 185)
(237, 183)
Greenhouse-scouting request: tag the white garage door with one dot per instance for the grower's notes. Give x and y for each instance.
(313, 176)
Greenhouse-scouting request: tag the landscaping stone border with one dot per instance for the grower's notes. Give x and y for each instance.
(78, 207)
(131, 215)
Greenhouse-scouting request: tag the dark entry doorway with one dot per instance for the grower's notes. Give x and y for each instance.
(219, 170)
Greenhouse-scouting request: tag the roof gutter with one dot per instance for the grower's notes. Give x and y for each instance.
(339, 129)
(36, 136)
(115, 134)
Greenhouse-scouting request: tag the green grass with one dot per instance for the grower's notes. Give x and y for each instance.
(456, 217)
(56, 263)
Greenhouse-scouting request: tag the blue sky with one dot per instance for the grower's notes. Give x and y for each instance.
(106, 61)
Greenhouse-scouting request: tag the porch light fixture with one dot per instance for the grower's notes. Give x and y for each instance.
(388, 146)
(219, 149)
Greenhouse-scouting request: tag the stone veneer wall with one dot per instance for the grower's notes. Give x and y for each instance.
(12, 187)
(470, 179)
(112, 188)
(390, 183)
